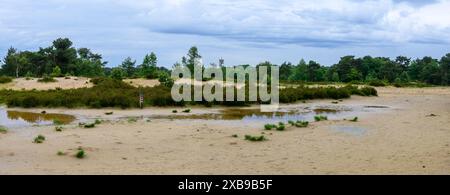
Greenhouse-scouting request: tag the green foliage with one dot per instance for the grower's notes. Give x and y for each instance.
(89, 126)
(187, 111)
(57, 122)
(174, 111)
(281, 127)
(109, 113)
(98, 122)
(80, 154)
(61, 153)
(39, 139)
(132, 120)
(56, 72)
(58, 128)
(5, 79)
(269, 126)
(235, 136)
(320, 118)
(118, 73)
(354, 119)
(255, 138)
(3, 129)
(301, 124)
(46, 79)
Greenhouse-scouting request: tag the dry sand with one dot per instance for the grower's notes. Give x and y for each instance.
(403, 140)
(63, 83)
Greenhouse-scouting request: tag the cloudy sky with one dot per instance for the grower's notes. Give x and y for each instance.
(239, 31)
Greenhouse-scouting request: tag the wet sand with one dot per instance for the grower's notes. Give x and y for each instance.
(405, 139)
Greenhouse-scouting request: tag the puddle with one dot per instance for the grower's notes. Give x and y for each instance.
(352, 130)
(283, 115)
(15, 119)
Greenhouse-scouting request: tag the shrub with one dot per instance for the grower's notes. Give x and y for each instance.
(61, 153)
(46, 79)
(269, 126)
(320, 118)
(187, 111)
(58, 128)
(5, 79)
(88, 126)
(354, 119)
(281, 127)
(132, 120)
(235, 136)
(174, 111)
(57, 122)
(302, 124)
(255, 138)
(377, 83)
(39, 139)
(109, 113)
(80, 154)
(3, 129)
(97, 122)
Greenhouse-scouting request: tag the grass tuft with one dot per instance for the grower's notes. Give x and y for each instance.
(39, 139)
(255, 138)
(320, 118)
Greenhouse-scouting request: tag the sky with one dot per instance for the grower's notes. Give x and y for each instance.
(240, 32)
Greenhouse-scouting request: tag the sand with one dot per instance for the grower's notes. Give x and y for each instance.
(63, 83)
(403, 140)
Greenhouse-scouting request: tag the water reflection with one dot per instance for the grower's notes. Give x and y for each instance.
(13, 119)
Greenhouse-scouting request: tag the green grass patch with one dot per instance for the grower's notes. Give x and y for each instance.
(320, 118)
(354, 119)
(39, 139)
(57, 122)
(3, 130)
(5, 79)
(255, 138)
(89, 126)
(47, 79)
(58, 128)
(80, 154)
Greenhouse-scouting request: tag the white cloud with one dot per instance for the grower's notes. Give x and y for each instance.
(132, 27)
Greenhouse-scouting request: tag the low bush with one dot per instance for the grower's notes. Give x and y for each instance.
(90, 125)
(3, 129)
(39, 139)
(255, 138)
(5, 79)
(187, 111)
(80, 154)
(58, 128)
(46, 79)
(109, 113)
(301, 124)
(61, 153)
(320, 118)
(354, 119)
(281, 127)
(269, 126)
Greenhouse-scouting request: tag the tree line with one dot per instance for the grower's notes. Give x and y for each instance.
(61, 58)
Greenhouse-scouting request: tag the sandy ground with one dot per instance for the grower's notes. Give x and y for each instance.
(72, 83)
(403, 140)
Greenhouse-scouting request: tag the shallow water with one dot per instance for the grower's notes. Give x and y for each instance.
(15, 119)
(333, 112)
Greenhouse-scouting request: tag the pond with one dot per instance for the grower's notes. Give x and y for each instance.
(283, 114)
(15, 119)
